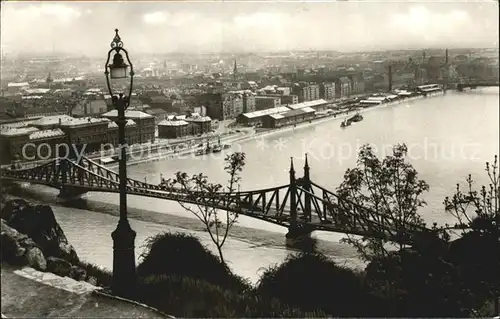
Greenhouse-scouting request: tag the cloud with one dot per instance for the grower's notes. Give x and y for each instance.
(37, 23)
(249, 26)
(419, 21)
(155, 18)
(260, 19)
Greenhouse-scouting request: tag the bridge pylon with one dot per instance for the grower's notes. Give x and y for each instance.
(293, 196)
(308, 187)
(295, 233)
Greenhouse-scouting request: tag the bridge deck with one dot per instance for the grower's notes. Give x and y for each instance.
(299, 204)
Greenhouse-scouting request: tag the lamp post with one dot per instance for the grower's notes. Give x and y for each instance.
(124, 271)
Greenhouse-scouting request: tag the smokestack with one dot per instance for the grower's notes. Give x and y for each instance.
(390, 78)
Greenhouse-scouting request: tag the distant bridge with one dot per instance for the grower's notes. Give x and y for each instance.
(302, 205)
(473, 84)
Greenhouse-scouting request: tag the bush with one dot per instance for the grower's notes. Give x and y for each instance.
(104, 277)
(408, 284)
(478, 268)
(311, 281)
(188, 297)
(183, 255)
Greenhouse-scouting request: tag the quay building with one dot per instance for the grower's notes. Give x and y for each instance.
(182, 126)
(22, 141)
(283, 115)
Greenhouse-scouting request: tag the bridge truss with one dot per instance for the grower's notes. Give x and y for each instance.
(301, 204)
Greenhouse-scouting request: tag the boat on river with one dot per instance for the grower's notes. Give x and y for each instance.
(345, 123)
(356, 118)
(217, 149)
(204, 151)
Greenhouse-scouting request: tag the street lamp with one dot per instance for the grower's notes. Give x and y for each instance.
(124, 271)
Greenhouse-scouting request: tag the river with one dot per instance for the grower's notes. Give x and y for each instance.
(448, 137)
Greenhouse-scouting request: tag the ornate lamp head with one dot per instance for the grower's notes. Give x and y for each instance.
(118, 69)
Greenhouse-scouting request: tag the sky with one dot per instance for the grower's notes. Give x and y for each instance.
(247, 26)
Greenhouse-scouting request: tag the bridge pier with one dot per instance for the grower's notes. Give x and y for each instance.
(70, 193)
(297, 235)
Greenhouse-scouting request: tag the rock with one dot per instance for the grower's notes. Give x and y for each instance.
(12, 207)
(14, 245)
(12, 252)
(78, 273)
(58, 266)
(39, 223)
(35, 259)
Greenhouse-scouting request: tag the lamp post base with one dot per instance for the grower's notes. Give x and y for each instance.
(124, 271)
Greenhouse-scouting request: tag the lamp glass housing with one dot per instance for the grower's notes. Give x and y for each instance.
(118, 69)
(118, 72)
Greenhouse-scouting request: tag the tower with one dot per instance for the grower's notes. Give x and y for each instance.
(49, 80)
(235, 71)
(390, 78)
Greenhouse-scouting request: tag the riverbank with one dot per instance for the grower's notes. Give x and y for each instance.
(254, 135)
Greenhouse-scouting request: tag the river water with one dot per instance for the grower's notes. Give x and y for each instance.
(448, 137)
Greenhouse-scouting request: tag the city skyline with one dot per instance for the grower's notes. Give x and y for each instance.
(163, 27)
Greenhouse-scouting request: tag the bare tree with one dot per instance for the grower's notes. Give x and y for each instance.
(217, 223)
(389, 187)
(475, 210)
(478, 211)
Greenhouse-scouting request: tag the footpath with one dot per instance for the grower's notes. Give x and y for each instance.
(29, 293)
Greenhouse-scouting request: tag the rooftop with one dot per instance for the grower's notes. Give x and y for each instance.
(304, 110)
(128, 114)
(267, 97)
(199, 119)
(172, 123)
(36, 91)
(16, 131)
(36, 135)
(377, 98)
(51, 120)
(20, 84)
(112, 124)
(83, 121)
(307, 104)
(261, 113)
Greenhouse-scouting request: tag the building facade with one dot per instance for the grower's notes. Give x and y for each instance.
(289, 99)
(145, 123)
(267, 102)
(290, 117)
(248, 102)
(306, 92)
(327, 91)
(131, 133)
(219, 106)
(255, 118)
(90, 132)
(199, 124)
(343, 88)
(173, 129)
